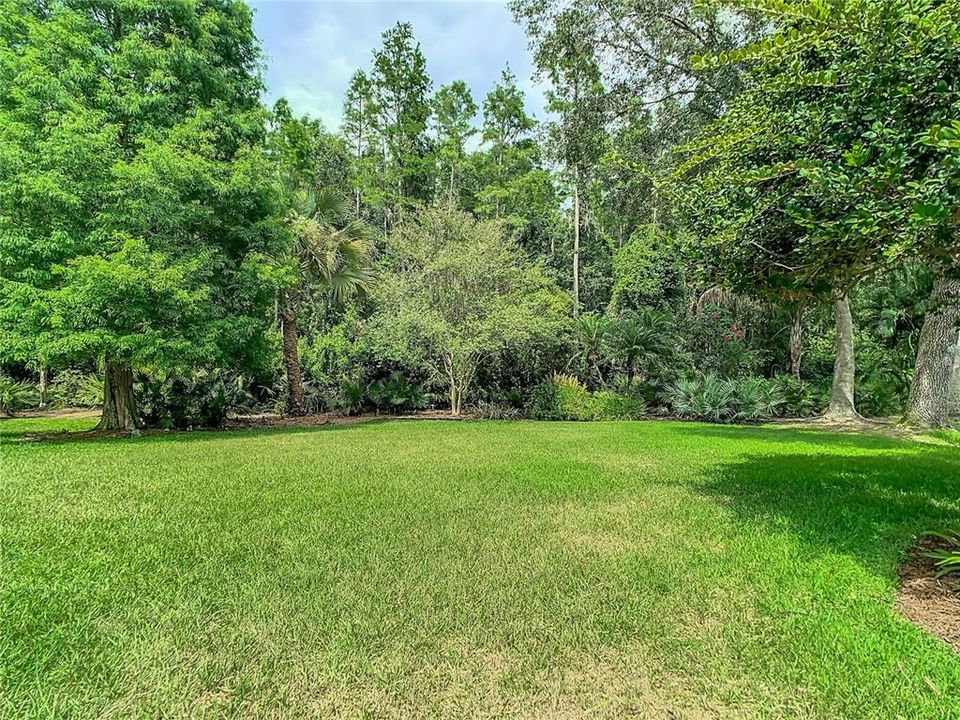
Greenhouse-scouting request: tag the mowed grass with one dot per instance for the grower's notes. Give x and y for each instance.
(470, 569)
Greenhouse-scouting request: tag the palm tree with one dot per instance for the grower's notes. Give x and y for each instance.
(638, 339)
(333, 256)
(590, 331)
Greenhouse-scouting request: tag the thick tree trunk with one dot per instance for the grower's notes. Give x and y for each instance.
(119, 406)
(296, 400)
(955, 383)
(929, 403)
(44, 388)
(796, 342)
(842, 403)
(576, 243)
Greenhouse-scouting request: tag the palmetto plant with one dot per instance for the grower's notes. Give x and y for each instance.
(590, 332)
(637, 340)
(16, 395)
(333, 256)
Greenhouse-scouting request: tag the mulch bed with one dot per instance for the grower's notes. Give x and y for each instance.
(932, 604)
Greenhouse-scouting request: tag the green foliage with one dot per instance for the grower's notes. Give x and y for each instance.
(799, 398)
(352, 397)
(395, 394)
(72, 388)
(136, 206)
(714, 399)
(16, 395)
(202, 399)
(456, 293)
(564, 397)
(946, 559)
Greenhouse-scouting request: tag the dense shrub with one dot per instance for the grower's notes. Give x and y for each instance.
(201, 399)
(564, 397)
(799, 397)
(16, 395)
(713, 399)
(394, 394)
(496, 411)
(72, 388)
(608, 405)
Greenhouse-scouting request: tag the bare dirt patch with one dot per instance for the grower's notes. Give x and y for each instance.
(932, 604)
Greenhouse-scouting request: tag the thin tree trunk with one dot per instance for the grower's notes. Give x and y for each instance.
(44, 388)
(929, 403)
(955, 383)
(119, 406)
(576, 243)
(296, 402)
(796, 342)
(842, 403)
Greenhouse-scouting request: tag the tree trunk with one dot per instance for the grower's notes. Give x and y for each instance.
(929, 403)
(955, 383)
(44, 388)
(119, 406)
(796, 342)
(576, 243)
(844, 370)
(296, 401)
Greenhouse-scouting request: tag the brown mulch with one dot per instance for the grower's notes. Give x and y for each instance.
(932, 604)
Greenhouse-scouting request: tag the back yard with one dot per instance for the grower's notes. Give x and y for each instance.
(469, 569)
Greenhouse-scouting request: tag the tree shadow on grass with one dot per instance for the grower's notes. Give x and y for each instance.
(869, 506)
(791, 434)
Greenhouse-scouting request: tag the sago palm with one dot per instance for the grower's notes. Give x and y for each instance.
(333, 256)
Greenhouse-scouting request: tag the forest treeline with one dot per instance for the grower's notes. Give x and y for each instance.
(731, 211)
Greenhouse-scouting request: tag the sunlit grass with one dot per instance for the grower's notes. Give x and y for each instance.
(470, 569)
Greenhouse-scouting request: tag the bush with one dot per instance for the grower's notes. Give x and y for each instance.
(395, 394)
(799, 398)
(202, 399)
(496, 411)
(351, 397)
(16, 395)
(609, 405)
(564, 397)
(72, 388)
(707, 397)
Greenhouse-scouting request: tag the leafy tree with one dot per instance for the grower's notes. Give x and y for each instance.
(331, 256)
(401, 91)
(827, 167)
(458, 292)
(134, 201)
(453, 112)
(359, 128)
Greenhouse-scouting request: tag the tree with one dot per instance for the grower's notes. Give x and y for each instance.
(830, 166)
(401, 90)
(134, 200)
(359, 128)
(506, 134)
(331, 256)
(453, 113)
(637, 339)
(458, 292)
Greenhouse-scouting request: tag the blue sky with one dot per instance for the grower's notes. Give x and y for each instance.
(312, 47)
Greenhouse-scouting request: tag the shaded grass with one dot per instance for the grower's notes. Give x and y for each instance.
(451, 569)
(18, 427)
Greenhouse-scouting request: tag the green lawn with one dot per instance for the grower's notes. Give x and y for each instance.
(469, 569)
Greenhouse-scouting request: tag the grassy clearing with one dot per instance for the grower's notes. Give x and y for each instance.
(470, 569)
